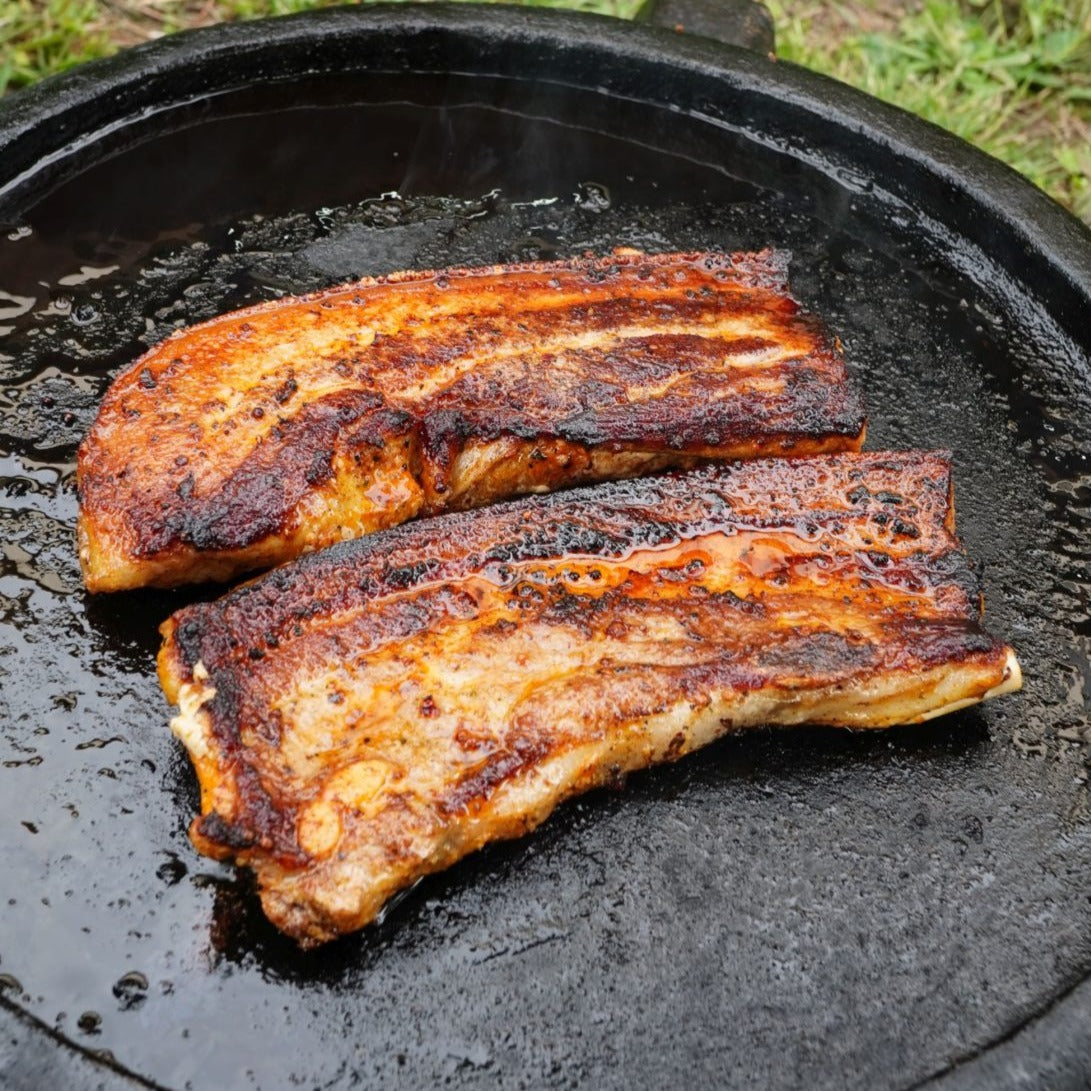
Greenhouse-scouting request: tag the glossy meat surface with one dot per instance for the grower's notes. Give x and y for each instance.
(374, 712)
(269, 432)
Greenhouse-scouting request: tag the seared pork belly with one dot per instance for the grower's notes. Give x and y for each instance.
(374, 712)
(266, 433)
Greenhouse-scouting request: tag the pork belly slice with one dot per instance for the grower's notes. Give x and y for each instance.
(247, 440)
(374, 712)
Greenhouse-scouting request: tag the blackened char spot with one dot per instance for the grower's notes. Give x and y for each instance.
(252, 510)
(216, 828)
(224, 707)
(258, 500)
(557, 539)
(375, 428)
(403, 576)
(285, 391)
(320, 469)
(821, 653)
(583, 427)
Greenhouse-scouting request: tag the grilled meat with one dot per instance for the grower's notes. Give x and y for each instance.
(273, 431)
(376, 711)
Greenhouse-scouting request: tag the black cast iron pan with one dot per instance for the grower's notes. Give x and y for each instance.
(789, 909)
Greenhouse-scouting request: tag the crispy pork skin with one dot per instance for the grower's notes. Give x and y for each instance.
(269, 432)
(374, 712)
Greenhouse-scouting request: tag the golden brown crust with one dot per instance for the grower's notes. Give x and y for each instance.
(276, 430)
(378, 710)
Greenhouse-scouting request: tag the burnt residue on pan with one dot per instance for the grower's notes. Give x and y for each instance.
(783, 908)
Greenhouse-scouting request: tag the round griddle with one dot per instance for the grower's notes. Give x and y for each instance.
(805, 908)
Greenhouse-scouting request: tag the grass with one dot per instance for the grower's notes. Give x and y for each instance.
(1012, 77)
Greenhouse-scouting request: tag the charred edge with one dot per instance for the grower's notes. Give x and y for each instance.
(767, 268)
(216, 829)
(263, 823)
(186, 637)
(917, 642)
(201, 634)
(606, 520)
(954, 569)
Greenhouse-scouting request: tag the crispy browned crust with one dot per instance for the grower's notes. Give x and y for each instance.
(373, 712)
(244, 441)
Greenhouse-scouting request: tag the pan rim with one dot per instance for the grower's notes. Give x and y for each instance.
(42, 125)
(117, 90)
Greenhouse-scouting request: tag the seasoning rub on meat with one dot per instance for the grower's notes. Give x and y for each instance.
(266, 433)
(376, 711)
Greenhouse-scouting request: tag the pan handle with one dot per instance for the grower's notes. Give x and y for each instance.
(743, 23)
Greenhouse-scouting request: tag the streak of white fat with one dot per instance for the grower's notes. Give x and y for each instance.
(756, 384)
(191, 724)
(441, 378)
(477, 459)
(607, 463)
(648, 741)
(322, 342)
(910, 697)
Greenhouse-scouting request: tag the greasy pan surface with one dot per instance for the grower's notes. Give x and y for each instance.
(783, 909)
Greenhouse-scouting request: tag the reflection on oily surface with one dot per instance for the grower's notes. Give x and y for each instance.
(757, 885)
